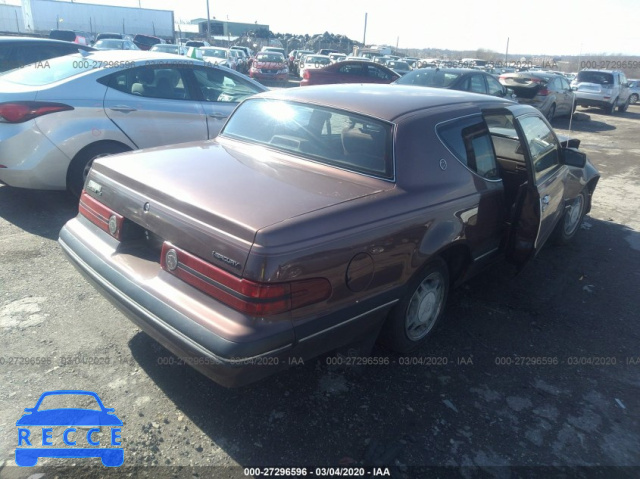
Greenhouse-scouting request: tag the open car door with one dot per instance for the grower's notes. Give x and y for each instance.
(539, 201)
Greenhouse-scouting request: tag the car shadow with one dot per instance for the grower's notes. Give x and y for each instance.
(42, 213)
(576, 300)
(582, 122)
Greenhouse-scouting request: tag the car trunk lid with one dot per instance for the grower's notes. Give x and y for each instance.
(211, 199)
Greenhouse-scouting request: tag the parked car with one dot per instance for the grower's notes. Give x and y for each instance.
(399, 66)
(349, 71)
(634, 89)
(360, 208)
(274, 50)
(313, 62)
(296, 62)
(145, 42)
(197, 44)
(69, 36)
(169, 48)
(54, 121)
(464, 79)
(16, 52)
(337, 57)
(238, 58)
(548, 92)
(218, 56)
(113, 44)
(114, 36)
(270, 67)
(606, 89)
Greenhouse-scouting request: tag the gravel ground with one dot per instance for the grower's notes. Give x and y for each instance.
(488, 406)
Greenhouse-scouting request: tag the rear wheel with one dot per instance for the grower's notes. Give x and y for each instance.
(552, 112)
(81, 164)
(414, 318)
(612, 108)
(622, 108)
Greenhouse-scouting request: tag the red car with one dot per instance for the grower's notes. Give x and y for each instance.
(349, 71)
(270, 67)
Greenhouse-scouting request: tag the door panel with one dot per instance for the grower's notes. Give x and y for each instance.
(152, 106)
(539, 201)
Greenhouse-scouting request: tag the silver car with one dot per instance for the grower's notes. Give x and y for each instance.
(607, 89)
(54, 121)
(634, 89)
(547, 91)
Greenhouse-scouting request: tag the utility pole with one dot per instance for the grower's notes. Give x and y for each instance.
(364, 37)
(506, 55)
(208, 24)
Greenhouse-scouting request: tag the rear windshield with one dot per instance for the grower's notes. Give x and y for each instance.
(332, 137)
(601, 78)
(58, 69)
(66, 35)
(270, 57)
(431, 77)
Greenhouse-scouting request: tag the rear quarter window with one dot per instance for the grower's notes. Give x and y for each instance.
(468, 139)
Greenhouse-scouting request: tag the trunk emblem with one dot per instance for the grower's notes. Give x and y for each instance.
(225, 259)
(171, 259)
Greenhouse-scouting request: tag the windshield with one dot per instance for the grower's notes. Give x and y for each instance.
(431, 77)
(600, 78)
(113, 44)
(214, 52)
(270, 57)
(333, 137)
(59, 68)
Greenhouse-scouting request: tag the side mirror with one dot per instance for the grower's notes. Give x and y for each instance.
(573, 157)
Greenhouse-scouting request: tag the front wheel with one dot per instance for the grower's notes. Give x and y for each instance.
(414, 318)
(81, 164)
(571, 220)
(633, 99)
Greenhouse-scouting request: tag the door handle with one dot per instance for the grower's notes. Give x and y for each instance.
(545, 199)
(122, 108)
(218, 116)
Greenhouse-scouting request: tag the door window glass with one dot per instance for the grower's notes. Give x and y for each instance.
(151, 82)
(543, 146)
(218, 85)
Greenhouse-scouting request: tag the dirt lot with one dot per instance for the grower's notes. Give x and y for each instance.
(488, 406)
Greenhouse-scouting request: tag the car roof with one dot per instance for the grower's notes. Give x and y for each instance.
(386, 102)
(11, 39)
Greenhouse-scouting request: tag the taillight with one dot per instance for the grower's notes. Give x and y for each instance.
(543, 91)
(100, 215)
(305, 75)
(21, 111)
(250, 297)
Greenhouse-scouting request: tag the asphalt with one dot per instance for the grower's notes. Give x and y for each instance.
(531, 375)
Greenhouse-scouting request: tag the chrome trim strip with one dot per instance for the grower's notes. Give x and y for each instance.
(348, 321)
(152, 317)
(486, 254)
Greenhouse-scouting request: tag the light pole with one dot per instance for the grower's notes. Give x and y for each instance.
(208, 24)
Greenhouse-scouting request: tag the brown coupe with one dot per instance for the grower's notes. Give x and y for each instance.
(321, 217)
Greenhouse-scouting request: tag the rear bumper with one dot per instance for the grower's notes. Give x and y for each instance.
(253, 350)
(591, 99)
(227, 362)
(31, 159)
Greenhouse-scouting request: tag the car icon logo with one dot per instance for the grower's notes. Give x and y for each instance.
(73, 442)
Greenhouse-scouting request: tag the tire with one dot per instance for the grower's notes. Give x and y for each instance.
(610, 109)
(411, 322)
(571, 219)
(623, 108)
(81, 164)
(633, 99)
(552, 113)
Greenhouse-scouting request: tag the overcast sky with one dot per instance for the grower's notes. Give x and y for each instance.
(544, 27)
